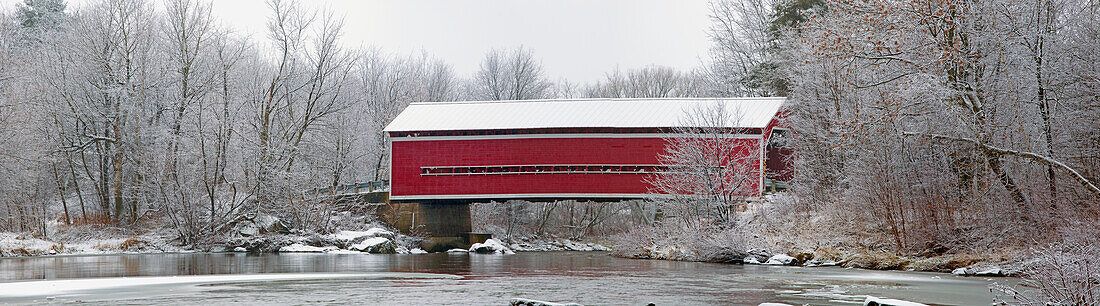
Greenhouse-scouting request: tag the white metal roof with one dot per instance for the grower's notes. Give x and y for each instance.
(615, 113)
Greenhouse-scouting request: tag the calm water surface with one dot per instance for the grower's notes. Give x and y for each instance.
(464, 279)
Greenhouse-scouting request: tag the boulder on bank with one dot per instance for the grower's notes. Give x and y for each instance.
(491, 246)
(782, 259)
(348, 238)
(529, 302)
(994, 271)
(803, 257)
(757, 256)
(877, 301)
(986, 271)
(376, 245)
(260, 244)
(255, 225)
(727, 255)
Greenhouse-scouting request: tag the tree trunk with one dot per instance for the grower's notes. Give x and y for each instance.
(76, 184)
(994, 161)
(1044, 111)
(378, 165)
(61, 192)
(116, 175)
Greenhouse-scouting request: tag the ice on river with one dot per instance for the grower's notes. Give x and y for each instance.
(53, 288)
(486, 279)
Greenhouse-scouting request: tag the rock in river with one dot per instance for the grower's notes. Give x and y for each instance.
(377, 245)
(490, 246)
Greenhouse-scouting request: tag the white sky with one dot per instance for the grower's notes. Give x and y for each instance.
(579, 40)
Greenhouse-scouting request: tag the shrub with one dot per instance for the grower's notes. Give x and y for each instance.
(1063, 274)
(680, 240)
(130, 243)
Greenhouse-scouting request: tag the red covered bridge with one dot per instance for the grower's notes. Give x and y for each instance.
(553, 149)
(445, 155)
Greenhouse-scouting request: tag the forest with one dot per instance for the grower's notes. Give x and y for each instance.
(922, 127)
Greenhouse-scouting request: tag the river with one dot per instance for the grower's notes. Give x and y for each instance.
(461, 279)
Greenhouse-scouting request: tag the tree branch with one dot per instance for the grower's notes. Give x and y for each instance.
(1039, 158)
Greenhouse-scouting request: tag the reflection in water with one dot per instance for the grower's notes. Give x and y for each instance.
(587, 278)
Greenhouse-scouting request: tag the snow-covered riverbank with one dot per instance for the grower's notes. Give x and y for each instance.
(767, 233)
(263, 235)
(12, 245)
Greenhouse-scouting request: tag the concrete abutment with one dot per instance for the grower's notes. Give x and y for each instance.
(445, 224)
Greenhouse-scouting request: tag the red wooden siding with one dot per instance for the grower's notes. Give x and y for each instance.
(410, 154)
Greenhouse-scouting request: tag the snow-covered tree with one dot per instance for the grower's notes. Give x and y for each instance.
(932, 114)
(648, 82)
(387, 83)
(707, 167)
(510, 75)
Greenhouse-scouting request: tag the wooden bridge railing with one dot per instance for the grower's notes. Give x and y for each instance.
(349, 189)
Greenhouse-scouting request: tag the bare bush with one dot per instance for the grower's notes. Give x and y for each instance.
(679, 240)
(1064, 274)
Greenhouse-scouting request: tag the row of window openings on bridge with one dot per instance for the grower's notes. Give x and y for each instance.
(547, 169)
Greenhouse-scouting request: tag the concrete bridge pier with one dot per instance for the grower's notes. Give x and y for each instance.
(445, 223)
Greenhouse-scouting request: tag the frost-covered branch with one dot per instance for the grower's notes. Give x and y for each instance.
(1042, 159)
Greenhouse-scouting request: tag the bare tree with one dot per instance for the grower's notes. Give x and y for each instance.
(741, 32)
(309, 83)
(24, 159)
(708, 167)
(387, 84)
(141, 116)
(108, 84)
(511, 75)
(924, 118)
(648, 82)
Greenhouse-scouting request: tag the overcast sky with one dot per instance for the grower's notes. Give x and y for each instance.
(578, 40)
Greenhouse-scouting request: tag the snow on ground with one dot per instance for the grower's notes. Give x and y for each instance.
(889, 302)
(12, 244)
(302, 248)
(530, 302)
(352, 235)
(369, 243)
(780, 259)
(71, 286)
(342, 251)
(86, 240)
